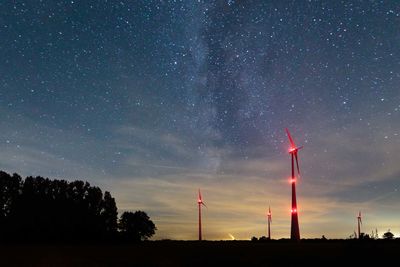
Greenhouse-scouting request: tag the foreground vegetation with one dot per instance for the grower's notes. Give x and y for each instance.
(37, 209)
(206, 253)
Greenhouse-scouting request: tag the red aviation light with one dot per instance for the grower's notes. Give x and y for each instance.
(293, 210)
(292, 180)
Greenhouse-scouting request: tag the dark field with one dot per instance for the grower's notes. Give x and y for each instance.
(192, 253)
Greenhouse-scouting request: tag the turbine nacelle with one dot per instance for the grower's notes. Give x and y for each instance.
(200, 200)
(269, 215)
(293, 150)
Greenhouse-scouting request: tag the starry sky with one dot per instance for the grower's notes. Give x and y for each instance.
(155, 99)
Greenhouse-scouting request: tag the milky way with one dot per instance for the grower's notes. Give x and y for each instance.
(153, 99)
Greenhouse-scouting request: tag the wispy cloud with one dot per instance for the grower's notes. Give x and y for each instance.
(239, 191)
(160, 172)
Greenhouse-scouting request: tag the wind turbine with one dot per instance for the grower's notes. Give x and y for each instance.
(359, 222)
(269, 218)
(294, 231)
(200, 202)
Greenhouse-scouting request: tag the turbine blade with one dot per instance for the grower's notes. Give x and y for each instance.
(290, 138)
(200, 198)
(297, 163)
(204, 205)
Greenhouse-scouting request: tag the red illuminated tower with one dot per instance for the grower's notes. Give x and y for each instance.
(269, 218)
(295, 231)
(200, 202)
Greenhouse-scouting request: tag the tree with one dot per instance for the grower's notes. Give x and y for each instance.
(40, 209)
(353, 236)
(9, 190)
(388, 235)
(136, 226)
(109, 213)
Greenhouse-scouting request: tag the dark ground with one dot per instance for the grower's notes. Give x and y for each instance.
(208, 253)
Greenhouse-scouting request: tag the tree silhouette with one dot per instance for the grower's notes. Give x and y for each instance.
(9, 191)
(40, 209)
(136, 226)
(109, 213)
(254, 239)
(388, 235)
(364, 236)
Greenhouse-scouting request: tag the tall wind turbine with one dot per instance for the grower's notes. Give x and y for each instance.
(269, 218)
(200, 202)
(359, 222)
(295, 231)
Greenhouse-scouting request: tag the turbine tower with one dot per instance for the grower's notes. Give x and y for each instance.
(200, 202)
(269, 218)
(295, 231)
(359, 222)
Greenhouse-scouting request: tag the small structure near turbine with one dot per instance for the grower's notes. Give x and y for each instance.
(359, 223)
(294, 231)
(269, 218)
(200, 202)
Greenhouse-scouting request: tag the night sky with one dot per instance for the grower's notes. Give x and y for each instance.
(155, 99)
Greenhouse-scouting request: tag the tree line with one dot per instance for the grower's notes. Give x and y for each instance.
(40, 209)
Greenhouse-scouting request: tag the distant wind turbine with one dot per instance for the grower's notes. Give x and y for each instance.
(269, 218)
(359, 222)
(200, 202)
